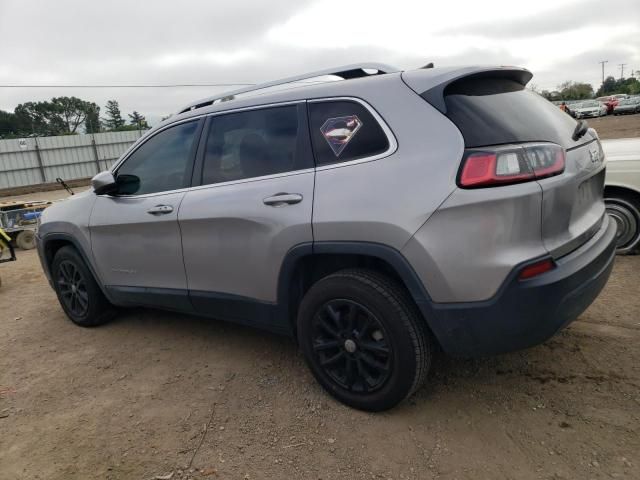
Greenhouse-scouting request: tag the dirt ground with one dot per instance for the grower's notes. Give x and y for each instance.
(154, 394)
(163, 395)
(616, 126)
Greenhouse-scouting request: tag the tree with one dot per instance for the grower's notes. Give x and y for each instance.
(60, 116)
(114, 119)
(92, 123)
(546, 94)
(630, 86)
(138, 120)
(8, 124)
(31, 118)
(575, 90)
(607, 87)
(68, 113)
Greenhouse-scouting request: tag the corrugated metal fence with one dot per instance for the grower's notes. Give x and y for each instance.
(31, 161)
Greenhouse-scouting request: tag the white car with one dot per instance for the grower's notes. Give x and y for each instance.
(622, 190)
(590, 108)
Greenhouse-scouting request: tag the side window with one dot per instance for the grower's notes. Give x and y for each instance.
(160, 164)
(255, 143)
(344, 130)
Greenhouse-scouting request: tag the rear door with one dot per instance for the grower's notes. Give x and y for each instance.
(254, 204)
(494, 108)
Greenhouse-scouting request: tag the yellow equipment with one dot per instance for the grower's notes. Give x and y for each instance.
(5, 245)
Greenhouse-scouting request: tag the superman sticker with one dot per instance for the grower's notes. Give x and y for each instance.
(339, 131)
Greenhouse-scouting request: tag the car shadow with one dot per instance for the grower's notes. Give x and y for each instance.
(447, 373)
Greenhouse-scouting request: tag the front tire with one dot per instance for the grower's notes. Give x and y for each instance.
(77, 291)
(625, 212)
(364, 339)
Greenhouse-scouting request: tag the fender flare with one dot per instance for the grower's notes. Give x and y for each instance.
(390, 255)
(46, 262)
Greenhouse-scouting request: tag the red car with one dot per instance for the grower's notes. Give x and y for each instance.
(610, 102)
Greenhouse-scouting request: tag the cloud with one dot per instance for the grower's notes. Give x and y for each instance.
(562, 18)
(248, 41)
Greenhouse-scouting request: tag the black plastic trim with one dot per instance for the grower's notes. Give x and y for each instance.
(390, 255)
(383, 252)
(164, 298)
(46, 262)
(239, 309)
(519, 315)
(525, 313)
(220, 306)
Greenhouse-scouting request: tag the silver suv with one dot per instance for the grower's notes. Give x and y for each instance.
(375, 215)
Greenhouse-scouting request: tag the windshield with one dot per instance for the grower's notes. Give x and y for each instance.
(590, 104)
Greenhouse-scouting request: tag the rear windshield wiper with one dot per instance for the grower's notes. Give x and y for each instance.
(581, 129)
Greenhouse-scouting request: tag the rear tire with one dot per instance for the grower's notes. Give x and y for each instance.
(625, 211)
(363, 339)
(26, 240)
(77, 291)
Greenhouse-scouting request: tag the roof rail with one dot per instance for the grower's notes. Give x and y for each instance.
(347, 72)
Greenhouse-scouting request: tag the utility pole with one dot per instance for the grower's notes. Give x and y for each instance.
(602, 63)
(621, 65)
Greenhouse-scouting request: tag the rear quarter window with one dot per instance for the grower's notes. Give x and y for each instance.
(342, 131)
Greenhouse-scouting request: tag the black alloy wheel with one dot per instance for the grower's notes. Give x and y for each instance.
(73, 288)
(78, 292)
(364, 339)
(350, 346)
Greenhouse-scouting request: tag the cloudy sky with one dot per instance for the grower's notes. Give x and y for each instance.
(117, 42)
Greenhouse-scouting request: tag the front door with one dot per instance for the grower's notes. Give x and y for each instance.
(135, 235)
(253, 206)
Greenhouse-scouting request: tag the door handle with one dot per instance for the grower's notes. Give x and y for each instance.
(282, 199)
(160, 210)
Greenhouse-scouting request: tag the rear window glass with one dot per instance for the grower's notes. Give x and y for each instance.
(494, 111)
(344, 130)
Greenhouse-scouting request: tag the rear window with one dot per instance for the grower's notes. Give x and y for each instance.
(494, 111)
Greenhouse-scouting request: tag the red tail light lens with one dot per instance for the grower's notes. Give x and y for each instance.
(507, 165)
(536, 269)
(495, 168)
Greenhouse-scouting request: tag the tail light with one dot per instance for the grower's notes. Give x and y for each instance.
(505, 165)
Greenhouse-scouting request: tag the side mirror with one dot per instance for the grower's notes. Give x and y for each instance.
(104, 183)
(127, 184)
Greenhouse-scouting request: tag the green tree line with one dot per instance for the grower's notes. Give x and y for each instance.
(66, 116)
(582, 91)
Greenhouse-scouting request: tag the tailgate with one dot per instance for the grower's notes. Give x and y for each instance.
(493, 111)
(572, 203)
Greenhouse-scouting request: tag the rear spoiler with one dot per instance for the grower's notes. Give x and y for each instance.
(431, 84)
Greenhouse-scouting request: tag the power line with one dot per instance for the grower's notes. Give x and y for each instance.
(177, 85)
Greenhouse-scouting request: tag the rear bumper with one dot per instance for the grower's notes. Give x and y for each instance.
(526, 313)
